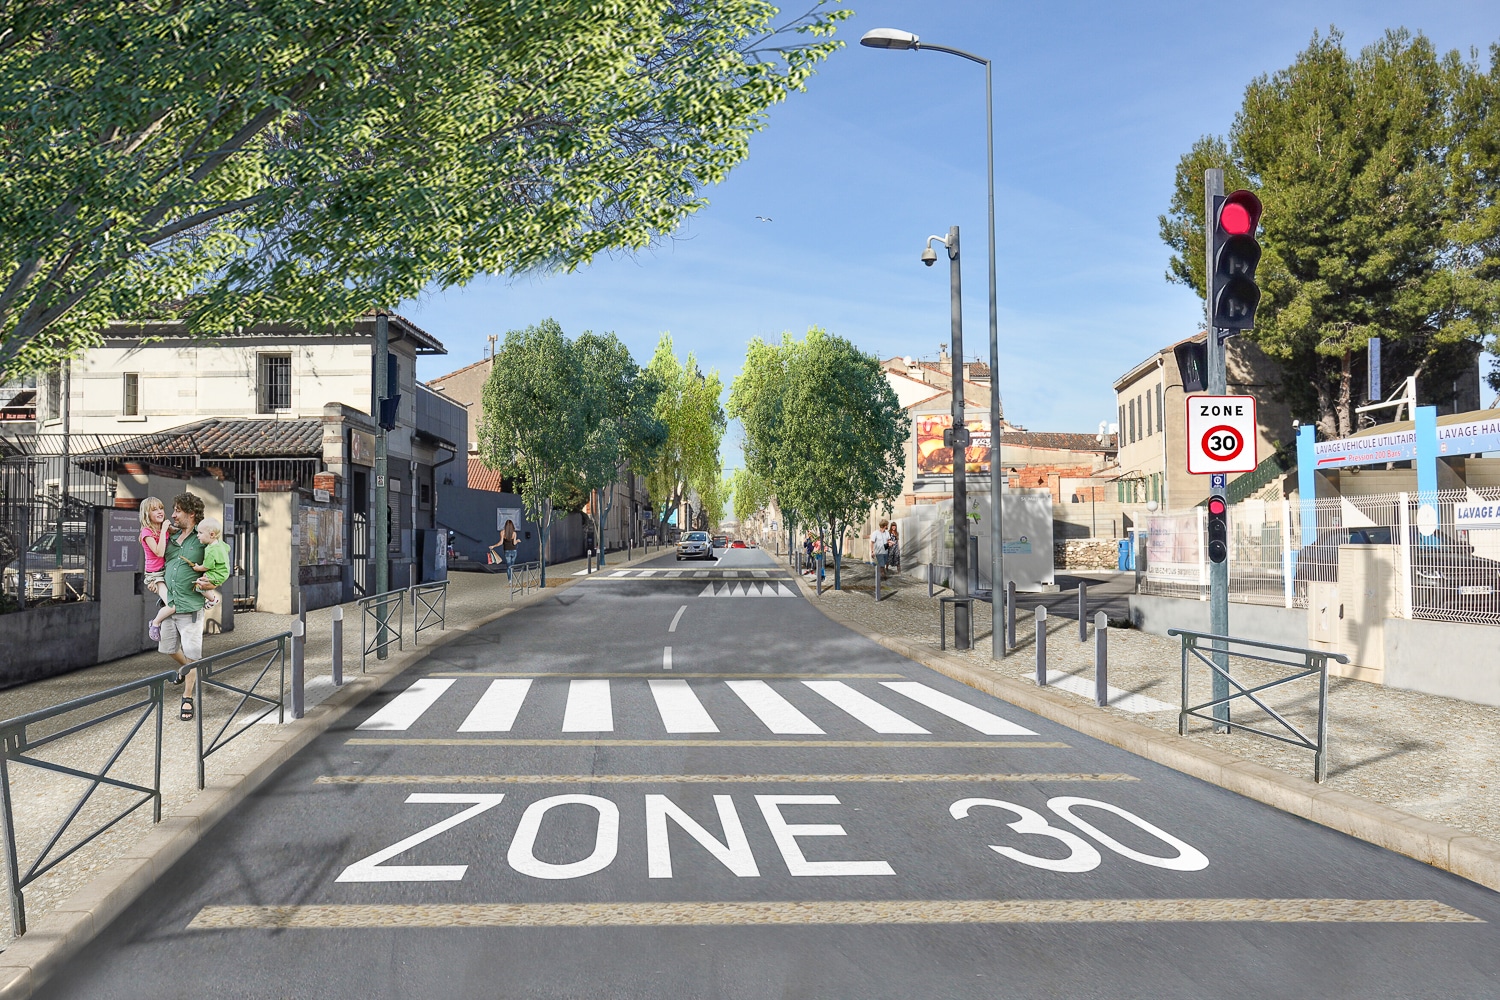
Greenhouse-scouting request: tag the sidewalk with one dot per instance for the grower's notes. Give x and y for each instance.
(43, 799)
(1432, 757)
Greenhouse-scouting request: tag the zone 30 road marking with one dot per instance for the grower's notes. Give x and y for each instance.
(690, 779)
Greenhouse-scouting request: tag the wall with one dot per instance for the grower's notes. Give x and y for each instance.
(47, 641)
(470, 514)
(277, 583)
(1261, 622)
(1449, 659)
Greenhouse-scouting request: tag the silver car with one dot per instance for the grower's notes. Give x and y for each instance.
(694, 545)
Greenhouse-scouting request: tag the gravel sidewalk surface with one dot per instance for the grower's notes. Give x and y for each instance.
(1429, 756)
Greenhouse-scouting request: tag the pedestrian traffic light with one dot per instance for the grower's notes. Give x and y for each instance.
(1218, 529)
(1236, 255)
(1192, 365)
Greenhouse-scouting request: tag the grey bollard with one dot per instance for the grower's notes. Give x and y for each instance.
(1101, 659)
(1083, 611)
(299, 640)
(1041, 645)
(338, 646)
(1010, 615)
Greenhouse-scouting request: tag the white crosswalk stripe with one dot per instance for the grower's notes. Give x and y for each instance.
(959, 711)
(498, 708)
(589, 709)
(408, 706)
(872, 713)
(681, 711)
(683, 706)
(776, 712)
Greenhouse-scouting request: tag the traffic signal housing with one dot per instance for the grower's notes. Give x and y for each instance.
(1236, 254)
(1218, 529)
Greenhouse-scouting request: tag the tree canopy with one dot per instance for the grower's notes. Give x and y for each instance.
(750, 494)
(688, 407)
(823, 429)
(267, 160)
(1379, 177)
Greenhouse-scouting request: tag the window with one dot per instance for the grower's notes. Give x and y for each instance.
(54, 395)
(273, 382)
(130, 406)
(1120, 435)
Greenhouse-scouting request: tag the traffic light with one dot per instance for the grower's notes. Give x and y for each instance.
(1192, 364)
(1235, 255)
(1218, 529)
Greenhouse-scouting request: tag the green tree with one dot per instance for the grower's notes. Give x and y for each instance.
(824, 429)
(715, 500)
(622, 428)
(688, 407)
(1376, 223)
(273, 160)
(535, 424)
(750, 494)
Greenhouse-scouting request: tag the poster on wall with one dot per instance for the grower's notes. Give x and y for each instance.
(361, 448)
(512, 514)
(124, 546)
(321, 541)
(934, 458)
(1174, 548)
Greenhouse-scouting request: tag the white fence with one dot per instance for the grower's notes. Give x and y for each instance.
(1437, 560)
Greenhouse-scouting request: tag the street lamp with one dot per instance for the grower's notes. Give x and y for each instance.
(895, 38)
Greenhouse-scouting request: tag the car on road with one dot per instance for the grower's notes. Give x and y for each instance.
(738, 544)
(720, 541)
(695, 545)
(41, 563)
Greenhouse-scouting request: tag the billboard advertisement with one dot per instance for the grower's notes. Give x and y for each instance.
(936, 459)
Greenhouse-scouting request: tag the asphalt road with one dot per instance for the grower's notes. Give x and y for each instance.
(553, 806)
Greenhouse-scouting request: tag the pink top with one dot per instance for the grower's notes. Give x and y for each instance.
(154, 562)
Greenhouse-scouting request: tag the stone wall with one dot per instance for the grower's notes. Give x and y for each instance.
(1086, 553)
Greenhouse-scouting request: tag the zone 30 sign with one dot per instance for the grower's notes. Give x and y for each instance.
(1221, 434)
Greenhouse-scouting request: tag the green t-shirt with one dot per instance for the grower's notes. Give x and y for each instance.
(216, 562)
(180, 576)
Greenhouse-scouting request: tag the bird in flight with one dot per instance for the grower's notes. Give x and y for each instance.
(764, 218)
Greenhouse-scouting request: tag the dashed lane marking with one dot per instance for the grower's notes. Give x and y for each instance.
(913, 911)
(705, 779)
(417, 741)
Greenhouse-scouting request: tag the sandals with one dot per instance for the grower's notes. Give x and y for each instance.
(186, 713)
(154, 632)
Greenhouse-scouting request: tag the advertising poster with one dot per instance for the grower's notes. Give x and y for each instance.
(124, 546)
(1174, 548)
(321, 538)
(936, 459)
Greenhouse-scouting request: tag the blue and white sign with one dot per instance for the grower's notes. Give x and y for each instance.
(1471, 438)
(1471, 516)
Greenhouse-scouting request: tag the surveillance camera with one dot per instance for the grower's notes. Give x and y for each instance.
(929, 256)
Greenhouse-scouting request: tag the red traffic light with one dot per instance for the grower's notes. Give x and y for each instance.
(1216, 506)
(1240, 213)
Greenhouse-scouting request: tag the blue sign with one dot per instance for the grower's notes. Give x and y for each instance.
(1218, 482)
(1372, 391)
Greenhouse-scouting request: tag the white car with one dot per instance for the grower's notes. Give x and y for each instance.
(695, 545)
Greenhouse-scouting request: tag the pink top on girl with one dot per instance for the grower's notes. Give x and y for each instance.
(154, 563)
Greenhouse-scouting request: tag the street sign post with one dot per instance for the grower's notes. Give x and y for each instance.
(1221, 435)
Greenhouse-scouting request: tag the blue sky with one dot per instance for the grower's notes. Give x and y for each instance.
(1094, 104)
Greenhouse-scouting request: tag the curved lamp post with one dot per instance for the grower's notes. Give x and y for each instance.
(895, 38)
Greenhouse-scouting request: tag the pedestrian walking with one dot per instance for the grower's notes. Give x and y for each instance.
(507, 547)
(807, 549)
(819, 557)
(182, 631)
(893, 550)
(878, 542)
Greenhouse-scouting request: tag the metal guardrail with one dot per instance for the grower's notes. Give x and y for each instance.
(377, 608)
(524, 577)
(429, 607)
(266, 653)
(1312, 663)
(17, 746)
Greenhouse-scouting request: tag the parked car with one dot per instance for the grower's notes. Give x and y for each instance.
(41, 563)
(695, 545)
(720, 541)
(1445, 571)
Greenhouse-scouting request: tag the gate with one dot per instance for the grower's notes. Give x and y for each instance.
(246, 552)
(359, 552)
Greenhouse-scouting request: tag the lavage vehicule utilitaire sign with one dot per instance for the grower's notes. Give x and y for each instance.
(1468, 516)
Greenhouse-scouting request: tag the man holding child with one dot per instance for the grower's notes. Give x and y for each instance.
(182, 632)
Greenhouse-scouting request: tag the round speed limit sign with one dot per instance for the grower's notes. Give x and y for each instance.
(1221, 434)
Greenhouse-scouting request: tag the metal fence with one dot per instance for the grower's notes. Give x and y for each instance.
(524, 577)
(376, 609)
(1267, 667)
(22, 737)
(1415, 557)
(250, 665)
(429, 607)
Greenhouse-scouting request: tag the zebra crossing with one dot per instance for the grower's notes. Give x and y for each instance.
(683, 574)
(787, 708)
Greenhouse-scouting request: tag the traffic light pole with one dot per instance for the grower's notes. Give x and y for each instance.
(1218, 572)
